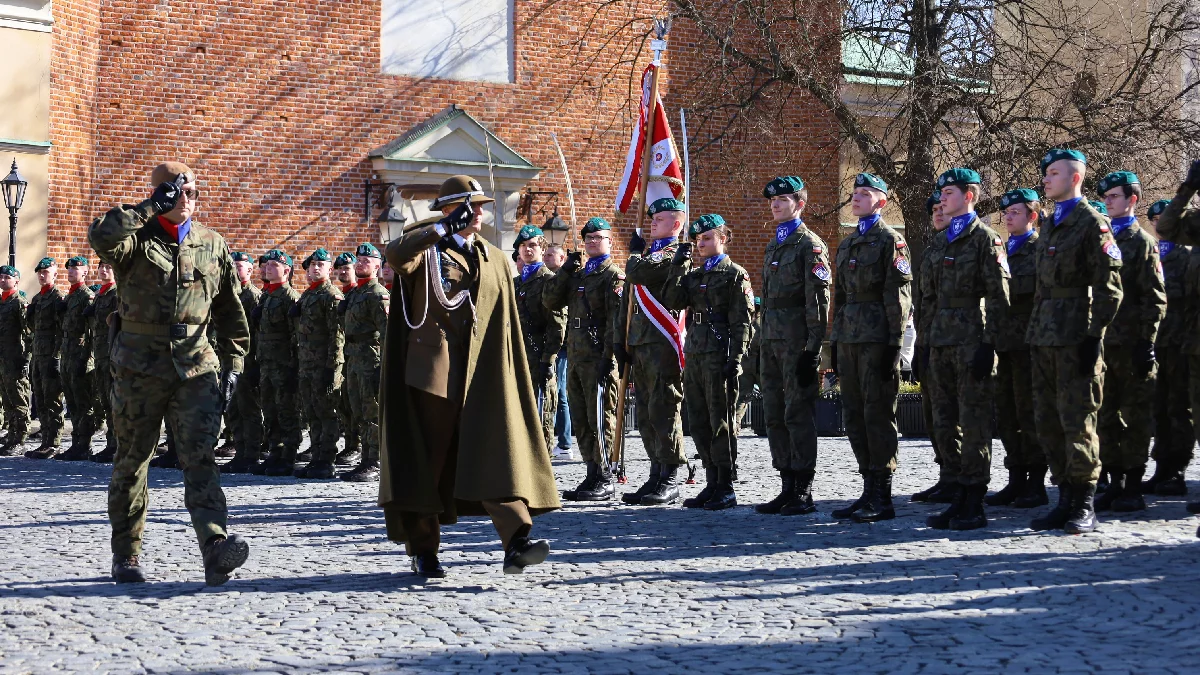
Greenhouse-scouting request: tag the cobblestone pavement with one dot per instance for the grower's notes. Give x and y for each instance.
(626, 590)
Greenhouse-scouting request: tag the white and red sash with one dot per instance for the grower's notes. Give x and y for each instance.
(661, 317)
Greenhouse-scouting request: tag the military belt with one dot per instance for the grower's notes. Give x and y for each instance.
(868, 296)
(1061, 293)
(175, 331)
(581, 324)
(700, 318)
(314, 338)
(362, 337)
(959, 302)
(784, 303)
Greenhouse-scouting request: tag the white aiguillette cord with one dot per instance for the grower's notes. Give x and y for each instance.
(433, 263)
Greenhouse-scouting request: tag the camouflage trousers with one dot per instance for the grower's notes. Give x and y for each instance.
(102, 380)
(192, 410)
(320, 411)
(582, 389)
(658, 393)
(245, 417)
(546, 397)
(346, 418)
(869, 389)
(14, 398)
(962, 414)
(1065, 404)
(1014, 410)
(790, 409)
(48, 394)
(78, 386)
(281, 413)
(946, 472)
(1174, 435)
(363, 385)
(1125, 423)
(706, 395)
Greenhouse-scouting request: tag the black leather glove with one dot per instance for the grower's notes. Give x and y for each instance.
(89, 311)
(682, 254)
(228, 385)
(621, 354)
(833, 357)
(603, 369)
(458, 220)
(806, 368)
(1143, 357)
(166, 197)
(574, 262)
(343, 305)
(891, 359)
(543, 372)
(1089, 354)
(731, 369)
(636, 243)
(294, 311)
(982, 361)
(1193, 175)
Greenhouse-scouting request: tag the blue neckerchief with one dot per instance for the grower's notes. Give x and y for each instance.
(785, 230)
(184, 228)
(529, 270)
(1165, 247)
(660, 244)
(1119, 225)
(1015, 241)
(958, 225)
(594, 264)
(865, 224)
(1061, 209)
(713, 262)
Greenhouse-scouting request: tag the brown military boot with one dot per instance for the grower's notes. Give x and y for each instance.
(127, 569)
(223, 555)
(45, 451)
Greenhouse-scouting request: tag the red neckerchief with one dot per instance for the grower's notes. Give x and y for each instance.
(46, 289)
(270, 288)
(171, 228)
(364, 281)
(346, 287)
(388, 287)
(75, 287)
(104, 288)
(315, 285)
(7, 294)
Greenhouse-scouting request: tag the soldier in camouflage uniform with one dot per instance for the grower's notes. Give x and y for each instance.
(76, 360)
(719, 302)
(872, 305)
(15, 337)
(103, 306)
(174, 277)
(543, 329)
(1076, 297)
(364, 320)
(44, 316)
(654, 358)
(1023, 456)
(320, 342)
(795, 306)
(944, 490)
(750, 375)
(592, 294)
(1174, 438)
(245, 414)
(275, 355)
(343, 271)
(967, 297)
(1126, 422)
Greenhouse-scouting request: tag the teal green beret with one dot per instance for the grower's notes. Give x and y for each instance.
(1099, 206)
(239, 256)
(665, 204)
(1018, 196)
(783, 185)
(1062, 153)
(319, 255)
(933, 201)
(757, 301)
(1158, 207)
(1117, 179)
(10, 271)
(528, 232)
(706, 222)
(94, 287)
(345, 259)
(960, 176)
(77, 261)
(368, 251)
(276, 255)
(870, 180)
(44, 263)
(595, 225)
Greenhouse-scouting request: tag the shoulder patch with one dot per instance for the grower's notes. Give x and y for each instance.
(902, 265)
(996, 242)
(619, 290)
(655, 257)
(900, 243)
(818, 250)
(1003, 260)
(1112, 250)
(620, 277)
(821, 272)
(1104, 228)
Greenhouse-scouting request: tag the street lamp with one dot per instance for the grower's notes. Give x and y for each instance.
(555, 229)
(14, 196)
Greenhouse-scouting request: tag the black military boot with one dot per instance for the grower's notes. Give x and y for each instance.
(1035, 489)
(167, 460)
(523, 552)
(1017, 477)
(347, 457)
(107, 455)
(77, 452)
(667, 490)
(722, 496)
(936, 488)
(304, 457)
(227, 450)
(223, 555)
(285, 465)
(243, 462)
(1056, 517)
(849, 511)
(635, 497)
(1171, 485)
(602, 488)
(1131, 497)
(972, 515)
(1083, 512)
(272, 458)
(879, 505)
(1116, 486)
(589, 481)
(127, 569)
(1103, 481)
(941, 521)
(318, 470)
(367, 471)
(786, 494)
(45, 451)
(802, 502)
(426, 565)
(710, 486)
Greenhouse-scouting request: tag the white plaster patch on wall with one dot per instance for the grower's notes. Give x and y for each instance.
(450, 39)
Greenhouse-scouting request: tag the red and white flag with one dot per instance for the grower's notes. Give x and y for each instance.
(664, 158)
(675, 330)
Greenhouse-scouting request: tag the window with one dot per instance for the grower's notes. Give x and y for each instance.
(449, 39)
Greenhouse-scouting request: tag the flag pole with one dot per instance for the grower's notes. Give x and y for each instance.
(687, 174)
(570, 191)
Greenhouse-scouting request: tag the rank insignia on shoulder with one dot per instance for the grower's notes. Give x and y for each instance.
(1112, 250)
(821, 272)
(902, 265)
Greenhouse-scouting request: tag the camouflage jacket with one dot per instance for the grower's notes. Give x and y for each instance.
(968, 294)
(14, 331)
(103, 305)
(1173, 331)
(44, 315)
(651, 271)
(76, 338)
(275, 342)
(250, 296)
(871, 290)
(319, 332)
(364, 322)
(1143, 295)
(1011, 328)
(544, 329)
(925, 286)
(1180, 224)
(795, 290)
(167, 292)
(1078, 284)
(719, 304)
(593, 302)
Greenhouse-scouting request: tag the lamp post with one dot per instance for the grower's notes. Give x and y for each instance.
(555, 229)
(14, 195)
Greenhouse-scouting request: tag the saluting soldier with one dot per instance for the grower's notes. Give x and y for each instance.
(872, 305)
(365, 322)
(1126, 422)
(1023, 455)
(320, 339)
(653, 349)
(343, 272)
(44, 315)
(77, 363)
(1077, 293)
(15, 338)
(945, 489)
(967, 297)
(795, 306)
(719, 301)
(275, 355)
(245, 413)
(544, 330)
(592, 294)
(103, 306)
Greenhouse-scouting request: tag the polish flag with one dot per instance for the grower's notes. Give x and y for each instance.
(664, 158)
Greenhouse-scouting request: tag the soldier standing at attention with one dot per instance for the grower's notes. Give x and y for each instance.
(320, 340)
(871, 297)
(719, 303)
(365, 325)
(795, 307)
(1023, 456)
(343, 272)
(653, 348)
(174, 277)
(968, 297)
(76, 362)
(45, 315)
(1126, 422)
(275, 346)
(245, 414)
(387, 277)
(103, 306)
(14, 360)
(1077, 294)
(544, 330)
(554, 257)
(591, 293)
(944, 490)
